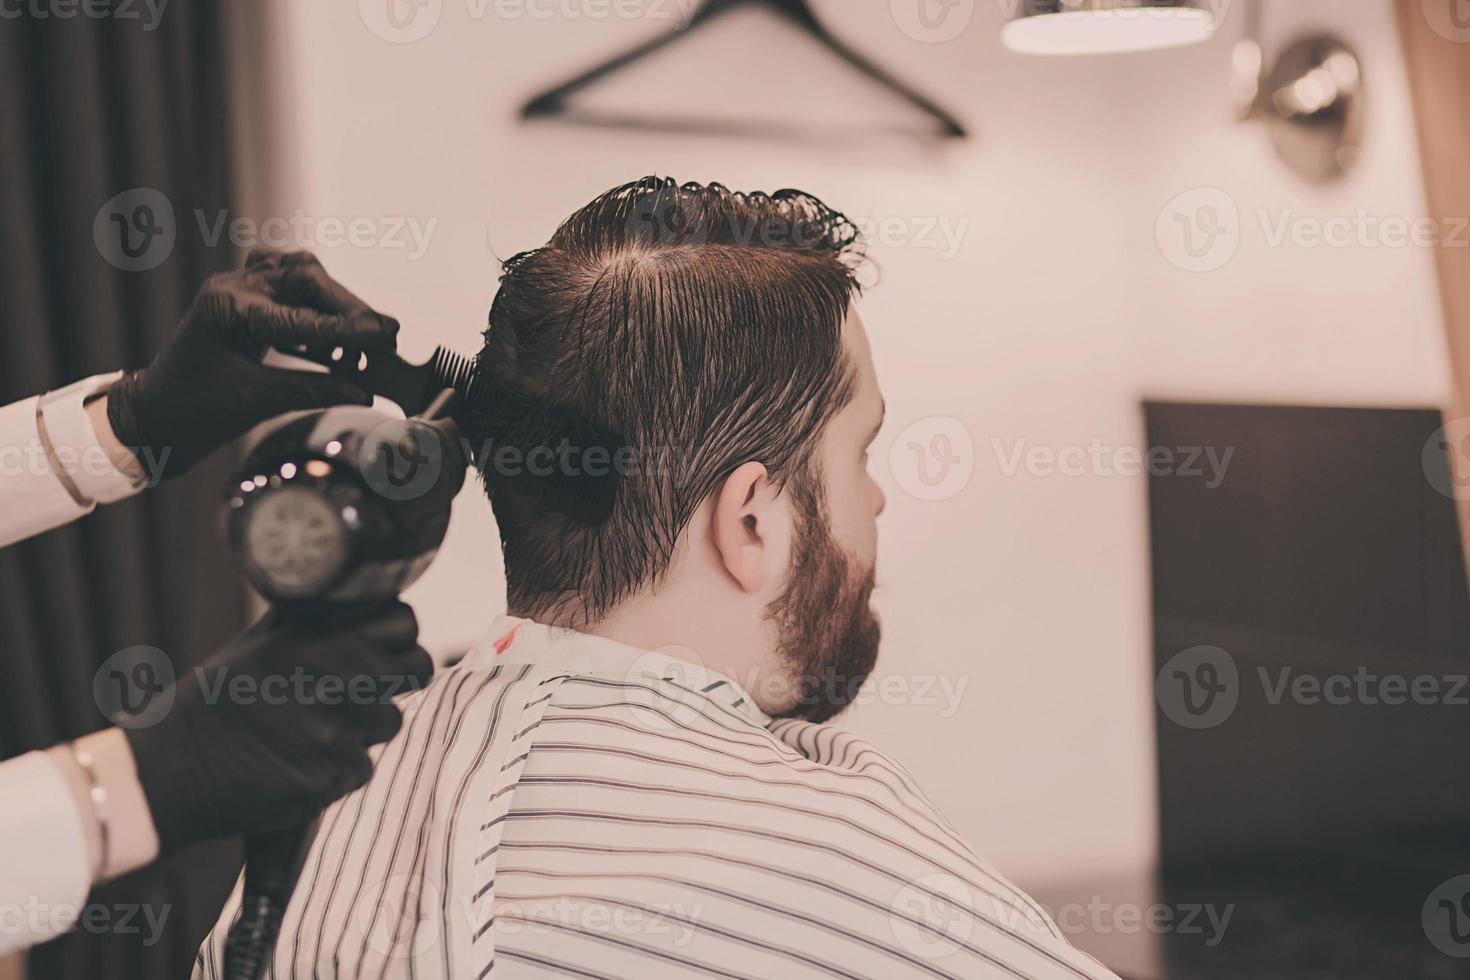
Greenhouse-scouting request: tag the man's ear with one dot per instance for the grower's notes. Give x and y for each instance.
(744, 525)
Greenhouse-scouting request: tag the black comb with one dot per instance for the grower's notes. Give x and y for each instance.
(412, 387)
(509, 435)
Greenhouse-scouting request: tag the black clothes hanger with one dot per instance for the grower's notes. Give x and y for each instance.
(553, 103)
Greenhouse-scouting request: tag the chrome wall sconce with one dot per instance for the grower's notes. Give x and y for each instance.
(1311, 100)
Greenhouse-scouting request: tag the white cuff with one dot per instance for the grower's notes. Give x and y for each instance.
(43, 849)
(74, 443)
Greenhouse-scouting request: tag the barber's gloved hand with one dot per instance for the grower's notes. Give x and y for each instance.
(208, 387)
(221, 763)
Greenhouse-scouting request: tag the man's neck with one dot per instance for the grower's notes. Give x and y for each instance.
(721, 640)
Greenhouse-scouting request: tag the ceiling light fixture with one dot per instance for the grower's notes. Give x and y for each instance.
(1063, 27)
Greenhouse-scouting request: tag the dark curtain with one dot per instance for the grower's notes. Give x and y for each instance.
(95, 106)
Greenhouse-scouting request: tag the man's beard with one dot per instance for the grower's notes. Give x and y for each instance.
(828, 632)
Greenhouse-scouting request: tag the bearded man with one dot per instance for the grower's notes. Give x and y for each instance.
(631, 775)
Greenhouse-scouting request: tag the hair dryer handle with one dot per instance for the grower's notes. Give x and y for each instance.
(272, 864)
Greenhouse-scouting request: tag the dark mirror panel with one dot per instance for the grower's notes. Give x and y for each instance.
(1310, 631)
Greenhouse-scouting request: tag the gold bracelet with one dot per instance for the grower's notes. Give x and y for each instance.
(61, 472)
(98, 796)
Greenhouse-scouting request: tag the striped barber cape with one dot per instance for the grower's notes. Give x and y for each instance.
(562, 805)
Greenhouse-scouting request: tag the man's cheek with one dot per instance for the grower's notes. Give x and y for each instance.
(858, 535)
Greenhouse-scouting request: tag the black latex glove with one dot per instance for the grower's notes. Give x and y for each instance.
(208, 386)
(219, 765)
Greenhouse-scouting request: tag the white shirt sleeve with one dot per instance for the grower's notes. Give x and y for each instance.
(38, 493)
(43, 847)
(43, 850)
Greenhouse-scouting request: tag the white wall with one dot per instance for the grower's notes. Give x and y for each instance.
(1056, 314)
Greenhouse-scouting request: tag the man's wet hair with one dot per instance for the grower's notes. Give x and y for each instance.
(702, 326)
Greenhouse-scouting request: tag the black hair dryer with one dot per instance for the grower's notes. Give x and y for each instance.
(333, 512)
